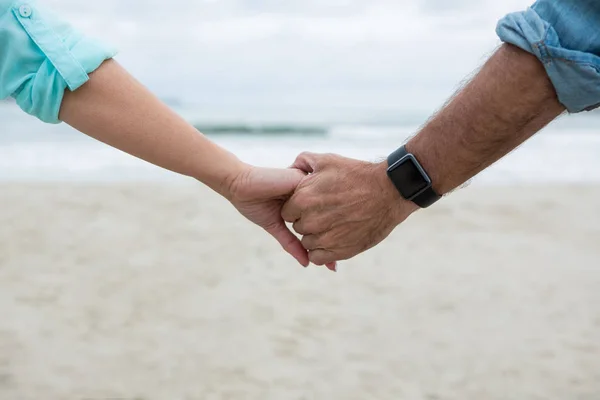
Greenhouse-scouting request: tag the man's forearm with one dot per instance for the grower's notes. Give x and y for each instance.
(508, 101)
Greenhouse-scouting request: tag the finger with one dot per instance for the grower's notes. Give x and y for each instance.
(291, 210)
(312, 242)
(277, 182)
(290, 179)
(322, 257)
(289, 242)
(308, 226)
(307, 162)
(300, 228)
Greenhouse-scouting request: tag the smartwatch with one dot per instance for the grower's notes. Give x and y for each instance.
(411, 180)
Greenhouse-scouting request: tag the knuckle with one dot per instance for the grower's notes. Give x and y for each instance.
(305, 241)
(322, 257)
(310, 227)
(304, 155)
(309, 242)
(300, 227)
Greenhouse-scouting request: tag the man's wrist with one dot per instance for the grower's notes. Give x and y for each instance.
(438, 176)
(400, 207)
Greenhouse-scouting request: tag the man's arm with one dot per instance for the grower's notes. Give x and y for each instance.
(346, 206)
(509, 100)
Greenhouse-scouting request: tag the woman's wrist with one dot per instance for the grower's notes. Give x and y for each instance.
(223, 174)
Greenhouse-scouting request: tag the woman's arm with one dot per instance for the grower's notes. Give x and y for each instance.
(117, 110)
(56, 73)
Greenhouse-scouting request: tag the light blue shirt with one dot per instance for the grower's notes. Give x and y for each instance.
(565, 37)
(41, 56)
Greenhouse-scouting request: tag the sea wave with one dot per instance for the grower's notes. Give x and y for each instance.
(342, 132)
(246, 129)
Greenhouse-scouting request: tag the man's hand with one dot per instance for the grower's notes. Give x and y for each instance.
(343, 207)
(346, 206)
(259, 194)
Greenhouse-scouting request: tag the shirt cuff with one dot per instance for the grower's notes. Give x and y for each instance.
(573, 70)
(50, 56)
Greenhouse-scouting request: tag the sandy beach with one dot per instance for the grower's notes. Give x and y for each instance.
(149, 291)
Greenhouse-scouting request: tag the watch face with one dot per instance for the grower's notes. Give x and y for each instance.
(409, 177)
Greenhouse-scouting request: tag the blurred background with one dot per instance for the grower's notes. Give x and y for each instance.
(270, 79)
(120, 280)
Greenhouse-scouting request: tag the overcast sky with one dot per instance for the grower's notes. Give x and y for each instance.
(357, 53)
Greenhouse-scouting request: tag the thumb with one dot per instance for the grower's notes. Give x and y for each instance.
(277, 182)
(289, 242)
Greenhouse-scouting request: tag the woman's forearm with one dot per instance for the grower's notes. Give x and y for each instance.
(47, 67)
(116, 109)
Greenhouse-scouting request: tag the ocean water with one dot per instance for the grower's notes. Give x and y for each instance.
(568, 151)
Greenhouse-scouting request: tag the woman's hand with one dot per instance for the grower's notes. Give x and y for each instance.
(259, 195)
(116, 109)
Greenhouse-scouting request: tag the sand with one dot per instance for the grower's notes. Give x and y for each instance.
(145, 291)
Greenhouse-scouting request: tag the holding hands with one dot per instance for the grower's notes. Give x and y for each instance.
(341, 207)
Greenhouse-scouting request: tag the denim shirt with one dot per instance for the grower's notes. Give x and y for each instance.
(565, 37)
(41, 56)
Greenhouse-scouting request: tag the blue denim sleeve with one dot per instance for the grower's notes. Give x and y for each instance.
(41, 56)
(565, 37)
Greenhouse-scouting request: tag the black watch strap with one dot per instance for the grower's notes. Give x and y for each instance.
(428, 196)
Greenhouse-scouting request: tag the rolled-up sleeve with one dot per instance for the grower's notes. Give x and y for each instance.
(565, 37)
(41, 56)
